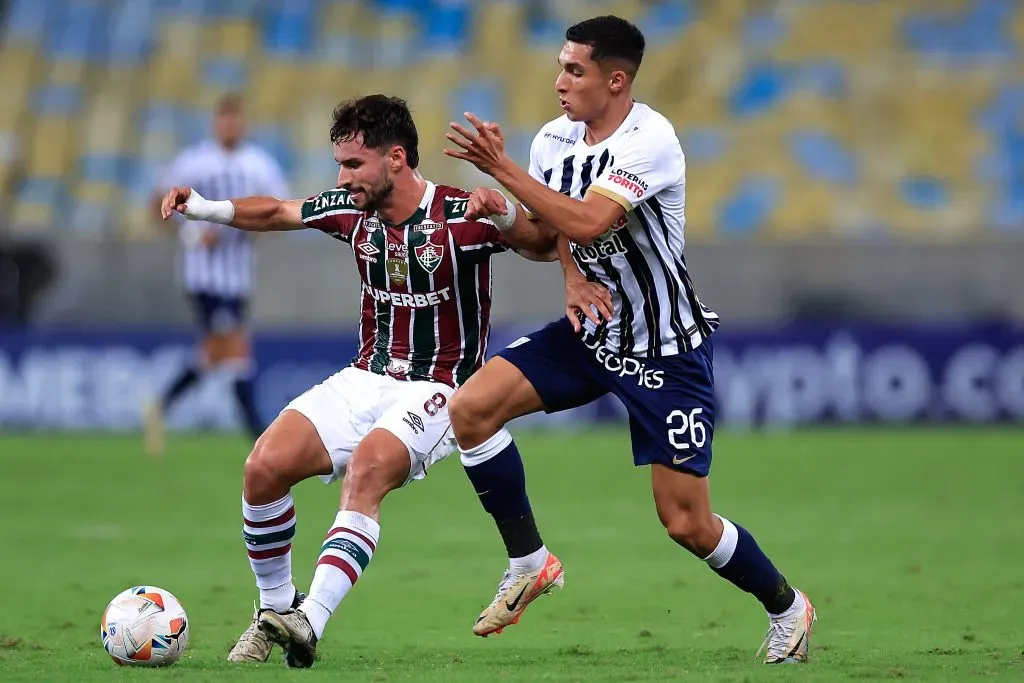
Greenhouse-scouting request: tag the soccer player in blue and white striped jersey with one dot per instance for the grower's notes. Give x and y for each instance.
(217, 263)
(609, 176)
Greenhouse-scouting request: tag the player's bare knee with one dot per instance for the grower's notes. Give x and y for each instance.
(258, 477)
(266, 473)
(363, 471)
(694, 532)
(472, 422)
(371, 474)
(458, 412)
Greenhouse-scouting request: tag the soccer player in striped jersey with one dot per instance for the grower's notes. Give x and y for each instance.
(217, 262)
(609, 177)
(424, 262)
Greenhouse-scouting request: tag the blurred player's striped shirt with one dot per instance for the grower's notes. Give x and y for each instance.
(217, 173)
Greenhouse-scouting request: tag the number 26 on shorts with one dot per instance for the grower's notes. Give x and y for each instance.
(686, 430)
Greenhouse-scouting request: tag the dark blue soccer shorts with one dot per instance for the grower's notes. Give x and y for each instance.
(670, 400)
(219, 314)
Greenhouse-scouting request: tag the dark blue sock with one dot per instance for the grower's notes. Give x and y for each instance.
(247, 402)
(500, 483)
(750, 570)
(186, 379)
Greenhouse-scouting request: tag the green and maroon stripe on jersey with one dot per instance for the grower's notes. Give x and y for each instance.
(474, 243)
(405, 308)
(376, 342)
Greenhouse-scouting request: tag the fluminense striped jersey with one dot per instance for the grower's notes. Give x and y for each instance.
(217, 173)
(426, 298)
(640, 259)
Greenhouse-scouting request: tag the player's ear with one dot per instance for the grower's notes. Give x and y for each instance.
(617, 81)
(396, 158)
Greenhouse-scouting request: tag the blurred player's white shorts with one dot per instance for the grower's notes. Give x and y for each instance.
(345, 407)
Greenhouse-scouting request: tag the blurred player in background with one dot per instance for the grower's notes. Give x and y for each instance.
(218, 262)
(382, 421)
(609, 175)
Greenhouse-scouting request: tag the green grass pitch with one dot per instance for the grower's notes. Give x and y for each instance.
(910, 542)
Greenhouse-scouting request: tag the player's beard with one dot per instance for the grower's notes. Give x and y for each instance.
(378, 193)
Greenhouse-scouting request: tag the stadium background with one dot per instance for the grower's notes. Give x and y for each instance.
(855, 215)
(855, 208)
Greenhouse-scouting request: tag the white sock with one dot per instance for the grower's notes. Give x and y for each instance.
(343, 557)
(487, 450)
(268, 531)
(726, 545)
(529, 563)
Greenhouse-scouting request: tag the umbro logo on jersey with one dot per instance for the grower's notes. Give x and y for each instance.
(369, 252)
(414, 421)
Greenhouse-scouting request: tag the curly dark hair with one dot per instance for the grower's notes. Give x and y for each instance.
(610, 37)
(384, 121)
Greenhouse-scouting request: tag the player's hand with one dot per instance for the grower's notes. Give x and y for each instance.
(175, 200)
(484, 203)
(484, 147)
(585, 298)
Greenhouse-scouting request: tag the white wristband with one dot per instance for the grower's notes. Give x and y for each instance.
(505, 222)
(198, 208)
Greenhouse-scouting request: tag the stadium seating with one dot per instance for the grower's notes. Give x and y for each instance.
(852, 119)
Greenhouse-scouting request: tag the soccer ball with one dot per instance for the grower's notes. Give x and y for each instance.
(144, 626)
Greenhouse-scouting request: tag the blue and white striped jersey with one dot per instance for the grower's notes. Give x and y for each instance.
(640, 166)
(219, 173)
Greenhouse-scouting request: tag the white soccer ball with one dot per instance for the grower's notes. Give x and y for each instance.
(144, 626)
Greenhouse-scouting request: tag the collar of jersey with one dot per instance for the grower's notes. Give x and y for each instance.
(419, 215)
(626, 122)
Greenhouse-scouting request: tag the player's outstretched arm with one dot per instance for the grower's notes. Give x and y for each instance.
(531, 239)
(258, 214)
(580, 221)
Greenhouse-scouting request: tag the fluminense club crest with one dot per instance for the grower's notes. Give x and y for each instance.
(429, 255)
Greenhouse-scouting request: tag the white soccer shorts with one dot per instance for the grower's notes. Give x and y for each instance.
(345, 407)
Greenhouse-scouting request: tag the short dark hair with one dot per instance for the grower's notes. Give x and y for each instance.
(229, 103)
(610, 37)
(383, 121)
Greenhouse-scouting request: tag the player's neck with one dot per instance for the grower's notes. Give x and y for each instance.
(601, 128)
(404, 200)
